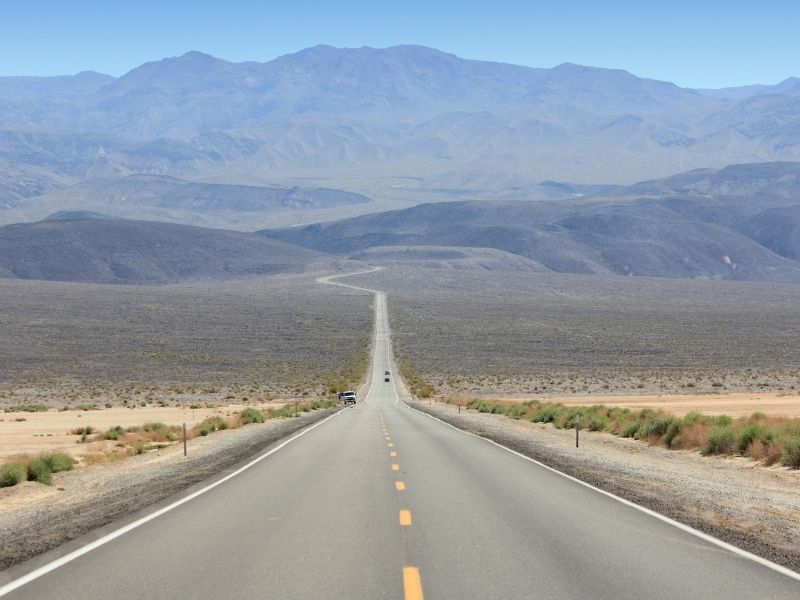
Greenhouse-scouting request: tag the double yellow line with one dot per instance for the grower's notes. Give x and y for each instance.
(412, 583)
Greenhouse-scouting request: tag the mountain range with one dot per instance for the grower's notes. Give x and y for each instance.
(402, 154)
(406, 124)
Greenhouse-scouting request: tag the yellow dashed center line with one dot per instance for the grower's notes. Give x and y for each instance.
(412, 584)
(395, 467)
(392, 453)
(405, 518)
(399, 485)
(390, 445)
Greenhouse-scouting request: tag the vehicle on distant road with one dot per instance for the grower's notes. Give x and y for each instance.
(348, 397)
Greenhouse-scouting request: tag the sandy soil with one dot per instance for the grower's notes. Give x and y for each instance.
(780, 404)
(30, 433)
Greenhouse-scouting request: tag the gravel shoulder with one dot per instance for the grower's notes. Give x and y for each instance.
(753, 507)
(35, 518)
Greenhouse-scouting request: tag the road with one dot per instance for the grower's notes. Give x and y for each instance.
(382, 501)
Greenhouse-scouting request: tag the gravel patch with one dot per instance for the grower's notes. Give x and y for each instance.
(753, 507)
(36, 518)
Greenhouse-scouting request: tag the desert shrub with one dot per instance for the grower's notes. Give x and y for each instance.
(58, 461)
(11, 474)
(26, 408)
(752, 432)
(114, 433)
(39, 470)
(691, 436)
(211, 425)
(517, 411)
(723, 420)
(251, 415)
(655, 428)
(83, 430)
(565, 418)
(631, 430)
(791, 452)
(768, 454)
(155, 427)
(672, 432)
(721, 441)
(598, 422)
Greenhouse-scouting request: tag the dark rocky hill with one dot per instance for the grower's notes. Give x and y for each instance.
(125, 251)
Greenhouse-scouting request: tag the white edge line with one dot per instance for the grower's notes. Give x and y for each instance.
(60, 562)
(686, 528)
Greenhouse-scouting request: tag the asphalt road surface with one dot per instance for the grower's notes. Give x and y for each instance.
(381, 501)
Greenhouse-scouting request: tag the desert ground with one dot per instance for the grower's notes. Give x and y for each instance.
(29, 433)
(546, 335)
(734, 405)
(259, 339)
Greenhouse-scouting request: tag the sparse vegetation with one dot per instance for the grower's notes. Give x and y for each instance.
(418, 386)
(764, 439)
(251, 415)
(12, 474)
(39, 468)
(541, 334)
(58, 461)
(305, 336)
(26, 408)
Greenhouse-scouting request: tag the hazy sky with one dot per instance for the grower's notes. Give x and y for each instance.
(698, 43)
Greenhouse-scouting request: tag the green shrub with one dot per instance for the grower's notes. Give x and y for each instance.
(598, 423)
(720, 441)
(693, 417)
(671, 434)
(38, 470)
(791, 452)
(753, 432)
(58, 461)
(251, 415)
(155, 427)
(11, 474)
(724, 420)
(114, 433)
(212, 424)
(517, 411)
(631, 430)
(545, 414)
(26, 408)
(655, 428)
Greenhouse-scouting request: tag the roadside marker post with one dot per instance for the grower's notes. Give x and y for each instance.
(577, 428)
(184, 439)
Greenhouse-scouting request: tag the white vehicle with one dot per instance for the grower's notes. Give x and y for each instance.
(348, 397)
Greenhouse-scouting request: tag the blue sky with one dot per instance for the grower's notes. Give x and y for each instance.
(703, 43)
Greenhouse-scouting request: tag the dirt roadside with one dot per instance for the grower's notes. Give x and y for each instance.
(755, 508)
(35, 518)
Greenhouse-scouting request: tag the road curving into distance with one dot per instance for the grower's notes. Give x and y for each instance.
(382, 501)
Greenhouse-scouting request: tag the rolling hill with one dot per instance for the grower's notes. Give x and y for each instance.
(103, 250)
(738, 223)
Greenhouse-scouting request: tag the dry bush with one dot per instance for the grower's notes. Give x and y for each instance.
(768, 454)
